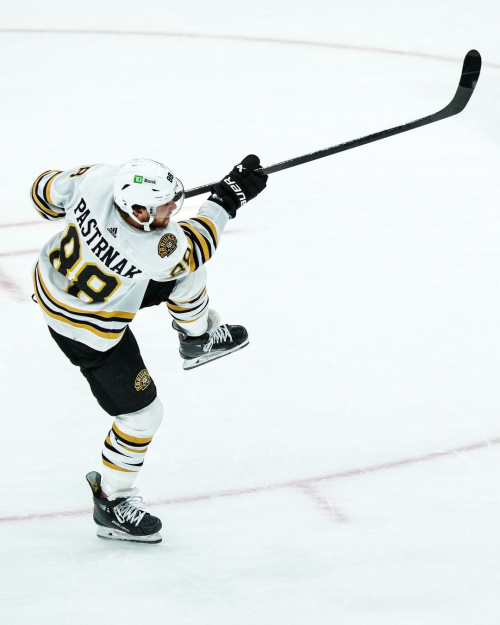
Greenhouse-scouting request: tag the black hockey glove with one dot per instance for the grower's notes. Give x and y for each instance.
(240, 186)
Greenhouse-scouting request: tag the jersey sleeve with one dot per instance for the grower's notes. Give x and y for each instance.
(53, 190)
(203, 232)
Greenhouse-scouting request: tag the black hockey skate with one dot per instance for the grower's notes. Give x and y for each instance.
(221, 341)
(121, 516)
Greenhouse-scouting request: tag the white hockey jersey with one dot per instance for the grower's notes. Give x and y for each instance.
(91, 278)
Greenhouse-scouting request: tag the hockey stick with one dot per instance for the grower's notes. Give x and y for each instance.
(468, 81)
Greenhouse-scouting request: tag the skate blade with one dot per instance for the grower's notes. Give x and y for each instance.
(109, 533)
(203, 360)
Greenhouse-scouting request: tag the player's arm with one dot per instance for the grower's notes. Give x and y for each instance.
(53, 190)
(203, 233)
(240, 186)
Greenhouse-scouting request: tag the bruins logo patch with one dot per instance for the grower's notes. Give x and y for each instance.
(143, 380)
(167, 245)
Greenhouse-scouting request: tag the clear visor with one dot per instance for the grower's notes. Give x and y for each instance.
(178, 198)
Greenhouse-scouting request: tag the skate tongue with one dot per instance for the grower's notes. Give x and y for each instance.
(125, 494)
(94, 480)
(219, 335)
(213, 321)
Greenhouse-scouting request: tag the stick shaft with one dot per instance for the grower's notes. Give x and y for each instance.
(468, 80)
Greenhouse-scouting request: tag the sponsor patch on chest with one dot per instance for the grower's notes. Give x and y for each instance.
(167, 245)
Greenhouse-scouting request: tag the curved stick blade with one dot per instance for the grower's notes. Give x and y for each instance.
(468, 81)
(471, 70)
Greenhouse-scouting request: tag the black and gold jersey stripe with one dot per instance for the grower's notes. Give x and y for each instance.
(200, 243)
(210, 227)
(42, 200)
(101, 315)
(56, 310)
(194, 263)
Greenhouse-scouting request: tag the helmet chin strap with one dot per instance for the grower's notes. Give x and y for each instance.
(145, 224)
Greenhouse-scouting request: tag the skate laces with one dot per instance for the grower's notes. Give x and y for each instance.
(130, 510)
(220, 335)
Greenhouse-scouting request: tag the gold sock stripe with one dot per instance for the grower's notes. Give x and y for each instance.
(115, 467)
(182, 310)
(189, 320)
(190, 301)
(117, 444)
(181, 317)
(126, 461)
(131, 439)
(142, 450)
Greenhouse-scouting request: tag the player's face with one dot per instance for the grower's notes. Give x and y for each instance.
(161, 220)
(163, 214)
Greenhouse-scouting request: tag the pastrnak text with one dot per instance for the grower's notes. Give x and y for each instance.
(102, 249)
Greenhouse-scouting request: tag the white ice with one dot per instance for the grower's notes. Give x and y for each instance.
(345, 467)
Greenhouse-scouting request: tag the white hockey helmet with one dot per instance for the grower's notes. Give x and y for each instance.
(146, 183)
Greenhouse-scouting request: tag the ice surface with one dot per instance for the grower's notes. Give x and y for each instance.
(345, 467)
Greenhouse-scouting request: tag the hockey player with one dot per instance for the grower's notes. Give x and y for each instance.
(121, 251)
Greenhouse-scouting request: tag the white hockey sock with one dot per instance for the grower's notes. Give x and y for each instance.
(126, 445)
(187, 315)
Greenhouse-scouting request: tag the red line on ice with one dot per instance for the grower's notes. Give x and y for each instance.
(12, 289)
(18, 253)
(332, 511)
(297, 42)
(293, 42)
(304, 483)
(24, 223)
(8, 285)
(307, 485)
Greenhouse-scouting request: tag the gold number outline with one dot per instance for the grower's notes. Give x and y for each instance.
(181, 266)
(94, 275)
(55, 257)
(81, 171)
(55, 254)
